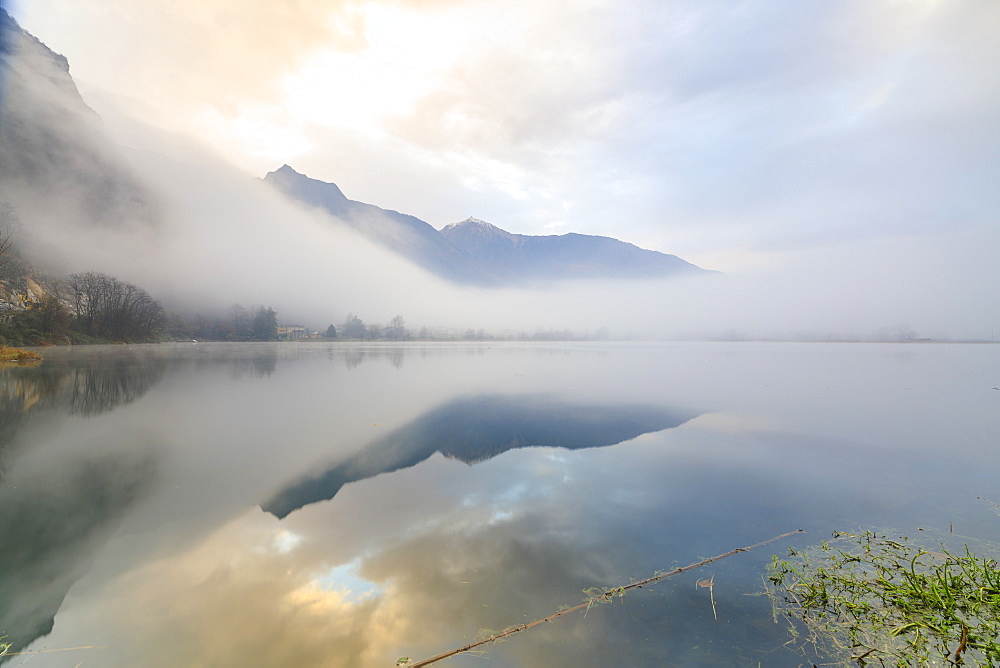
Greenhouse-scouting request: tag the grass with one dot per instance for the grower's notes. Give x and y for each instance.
(875, 598)
(8, 354)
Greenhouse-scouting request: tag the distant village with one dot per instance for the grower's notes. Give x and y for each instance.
(288, 332)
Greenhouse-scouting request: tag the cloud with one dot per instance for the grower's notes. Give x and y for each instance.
(813, 125)
(692, 127)
(186, 53)
(688, 127)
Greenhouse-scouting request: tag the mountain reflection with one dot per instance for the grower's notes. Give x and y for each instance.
(478, 428)
(57, 513)
(52, 521)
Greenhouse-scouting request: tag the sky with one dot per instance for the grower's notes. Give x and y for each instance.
(854, 141)
(719, 131)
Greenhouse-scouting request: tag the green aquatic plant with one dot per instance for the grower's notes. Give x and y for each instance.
(876, 598)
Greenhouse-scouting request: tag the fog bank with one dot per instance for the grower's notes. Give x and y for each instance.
(222, 238)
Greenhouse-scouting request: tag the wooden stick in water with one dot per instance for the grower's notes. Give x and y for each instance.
(606, 595)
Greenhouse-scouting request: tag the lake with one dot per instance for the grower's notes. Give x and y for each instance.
(347, 504)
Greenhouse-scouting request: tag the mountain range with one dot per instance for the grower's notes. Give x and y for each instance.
(58, 164)
(476, 252)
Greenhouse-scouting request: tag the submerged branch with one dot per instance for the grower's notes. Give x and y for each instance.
(606, 595)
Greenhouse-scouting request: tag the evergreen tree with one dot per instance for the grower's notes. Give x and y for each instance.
(354, 327)
(264, 325)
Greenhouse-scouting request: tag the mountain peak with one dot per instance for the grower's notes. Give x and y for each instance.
(474, 221)
(286, 170)
(311, 191)
(472, 235)
(474, 226)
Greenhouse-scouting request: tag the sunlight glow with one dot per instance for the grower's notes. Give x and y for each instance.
(407, 54)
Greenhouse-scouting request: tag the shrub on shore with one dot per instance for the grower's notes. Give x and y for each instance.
(8, 354)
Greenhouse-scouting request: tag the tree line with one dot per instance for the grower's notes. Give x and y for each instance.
(92, 307)
(258, 323)
(88, 307)
(355, 328)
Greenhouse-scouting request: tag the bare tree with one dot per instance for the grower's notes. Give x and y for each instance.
(111, 308)
(397, 329)
(239, 323)
(8, 221)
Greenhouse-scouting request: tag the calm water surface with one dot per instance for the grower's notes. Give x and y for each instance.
(348, 504)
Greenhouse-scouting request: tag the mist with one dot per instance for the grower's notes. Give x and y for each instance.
(222, 238)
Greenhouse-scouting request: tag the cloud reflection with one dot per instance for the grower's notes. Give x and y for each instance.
(416, 563)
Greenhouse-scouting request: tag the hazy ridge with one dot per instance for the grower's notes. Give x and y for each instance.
(477, 252)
